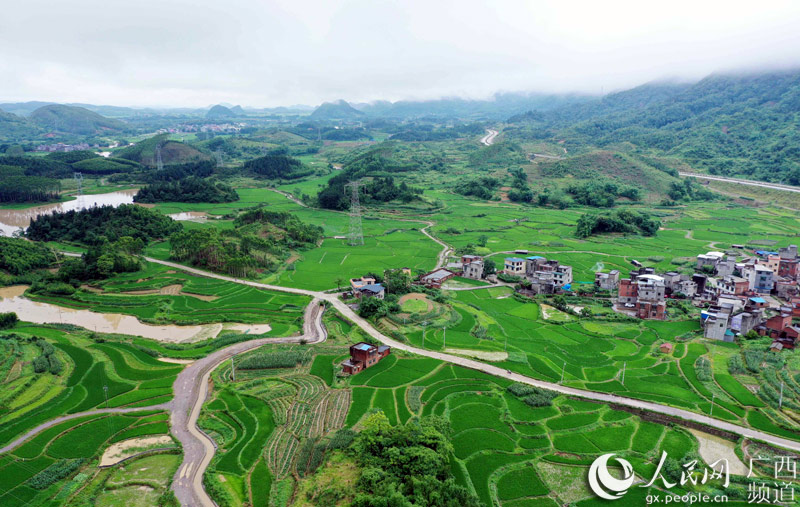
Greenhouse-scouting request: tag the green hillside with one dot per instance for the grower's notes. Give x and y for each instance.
(734, 125)
(13, 126)
(172, 152)
(339, 110)
(73, 120)
(611, 165)
(219, 111)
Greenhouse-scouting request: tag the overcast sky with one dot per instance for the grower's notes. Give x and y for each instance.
(281, 52)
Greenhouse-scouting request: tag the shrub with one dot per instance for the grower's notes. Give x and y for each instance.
(8, 320)
(41, 364)
(282, 359)
(54, 473)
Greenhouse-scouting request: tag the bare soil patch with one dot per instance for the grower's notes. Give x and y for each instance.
(127, 448)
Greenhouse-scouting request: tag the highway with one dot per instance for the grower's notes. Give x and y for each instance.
(750, 183)
(488, 139)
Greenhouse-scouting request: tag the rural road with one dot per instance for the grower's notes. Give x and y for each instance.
(499, 372)
(49, 424)
(751, 183)
(488, 139)
(191, 389)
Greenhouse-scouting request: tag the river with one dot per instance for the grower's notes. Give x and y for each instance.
(12, 220)
(12, 300)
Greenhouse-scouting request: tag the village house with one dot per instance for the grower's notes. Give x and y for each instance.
(357, 283)
(644, 296)
(546, 276)
(715, 323)
(472, 267)
(607, 281)
(735, 285)
(709, 259)
(363, 355)
(373, 290)
(514, 266)
(436, 278)
(666, 348)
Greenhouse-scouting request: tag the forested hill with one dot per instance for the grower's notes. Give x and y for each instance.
(737, 125)
(73, 120)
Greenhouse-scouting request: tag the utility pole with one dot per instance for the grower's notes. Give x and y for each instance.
(711, 412)
(105, 391)
(780, 402)
(562, 372)
(624, 365)
(233, 370)
(444, 338)
(424, 328)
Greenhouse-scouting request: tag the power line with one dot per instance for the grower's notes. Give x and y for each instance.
(356, 235)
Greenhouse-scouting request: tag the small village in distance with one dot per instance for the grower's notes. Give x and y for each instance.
(738, 292)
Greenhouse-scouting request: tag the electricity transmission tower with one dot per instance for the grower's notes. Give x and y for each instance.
(159, 162)
(356, 236)
(79, 179)
(218, 154)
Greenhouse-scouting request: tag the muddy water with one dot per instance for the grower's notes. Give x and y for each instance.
(193, 216)
(11, 220)
(12, 300)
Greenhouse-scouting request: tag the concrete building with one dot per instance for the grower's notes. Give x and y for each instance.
(472, 267)
(357, 283)
(607, 281)
(688, 288)
(514, 266)
(546, 276)
(789, 252)
(709, 259)
(764, 279)
(726, 267)
(644, 297)
(789, 268)
(734, 285)
(363, 355)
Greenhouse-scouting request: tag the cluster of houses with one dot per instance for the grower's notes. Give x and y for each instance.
(758, 292)
(61, 147)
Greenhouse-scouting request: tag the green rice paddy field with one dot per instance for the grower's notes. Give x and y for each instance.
(505, 450)
(133, 378)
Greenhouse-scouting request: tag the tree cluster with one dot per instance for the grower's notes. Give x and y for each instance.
(482, 187)
(191, 189)
(602, 193)
(94, 225)
(18, 256)
(624, 221)
(407, 465)
(277, 164)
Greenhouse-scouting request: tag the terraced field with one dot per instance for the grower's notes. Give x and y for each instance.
(262, 421)
(592, 354)
(505, 450)
(96, 374)
(32, 474)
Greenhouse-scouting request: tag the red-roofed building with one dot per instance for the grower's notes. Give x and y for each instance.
(363, 355)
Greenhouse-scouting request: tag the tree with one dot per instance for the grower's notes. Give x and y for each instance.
(489, 267)
(396, 281)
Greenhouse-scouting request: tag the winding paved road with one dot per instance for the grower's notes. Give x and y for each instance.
(751, 183)
(499, 372)
(488, 139)
(191, 389)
